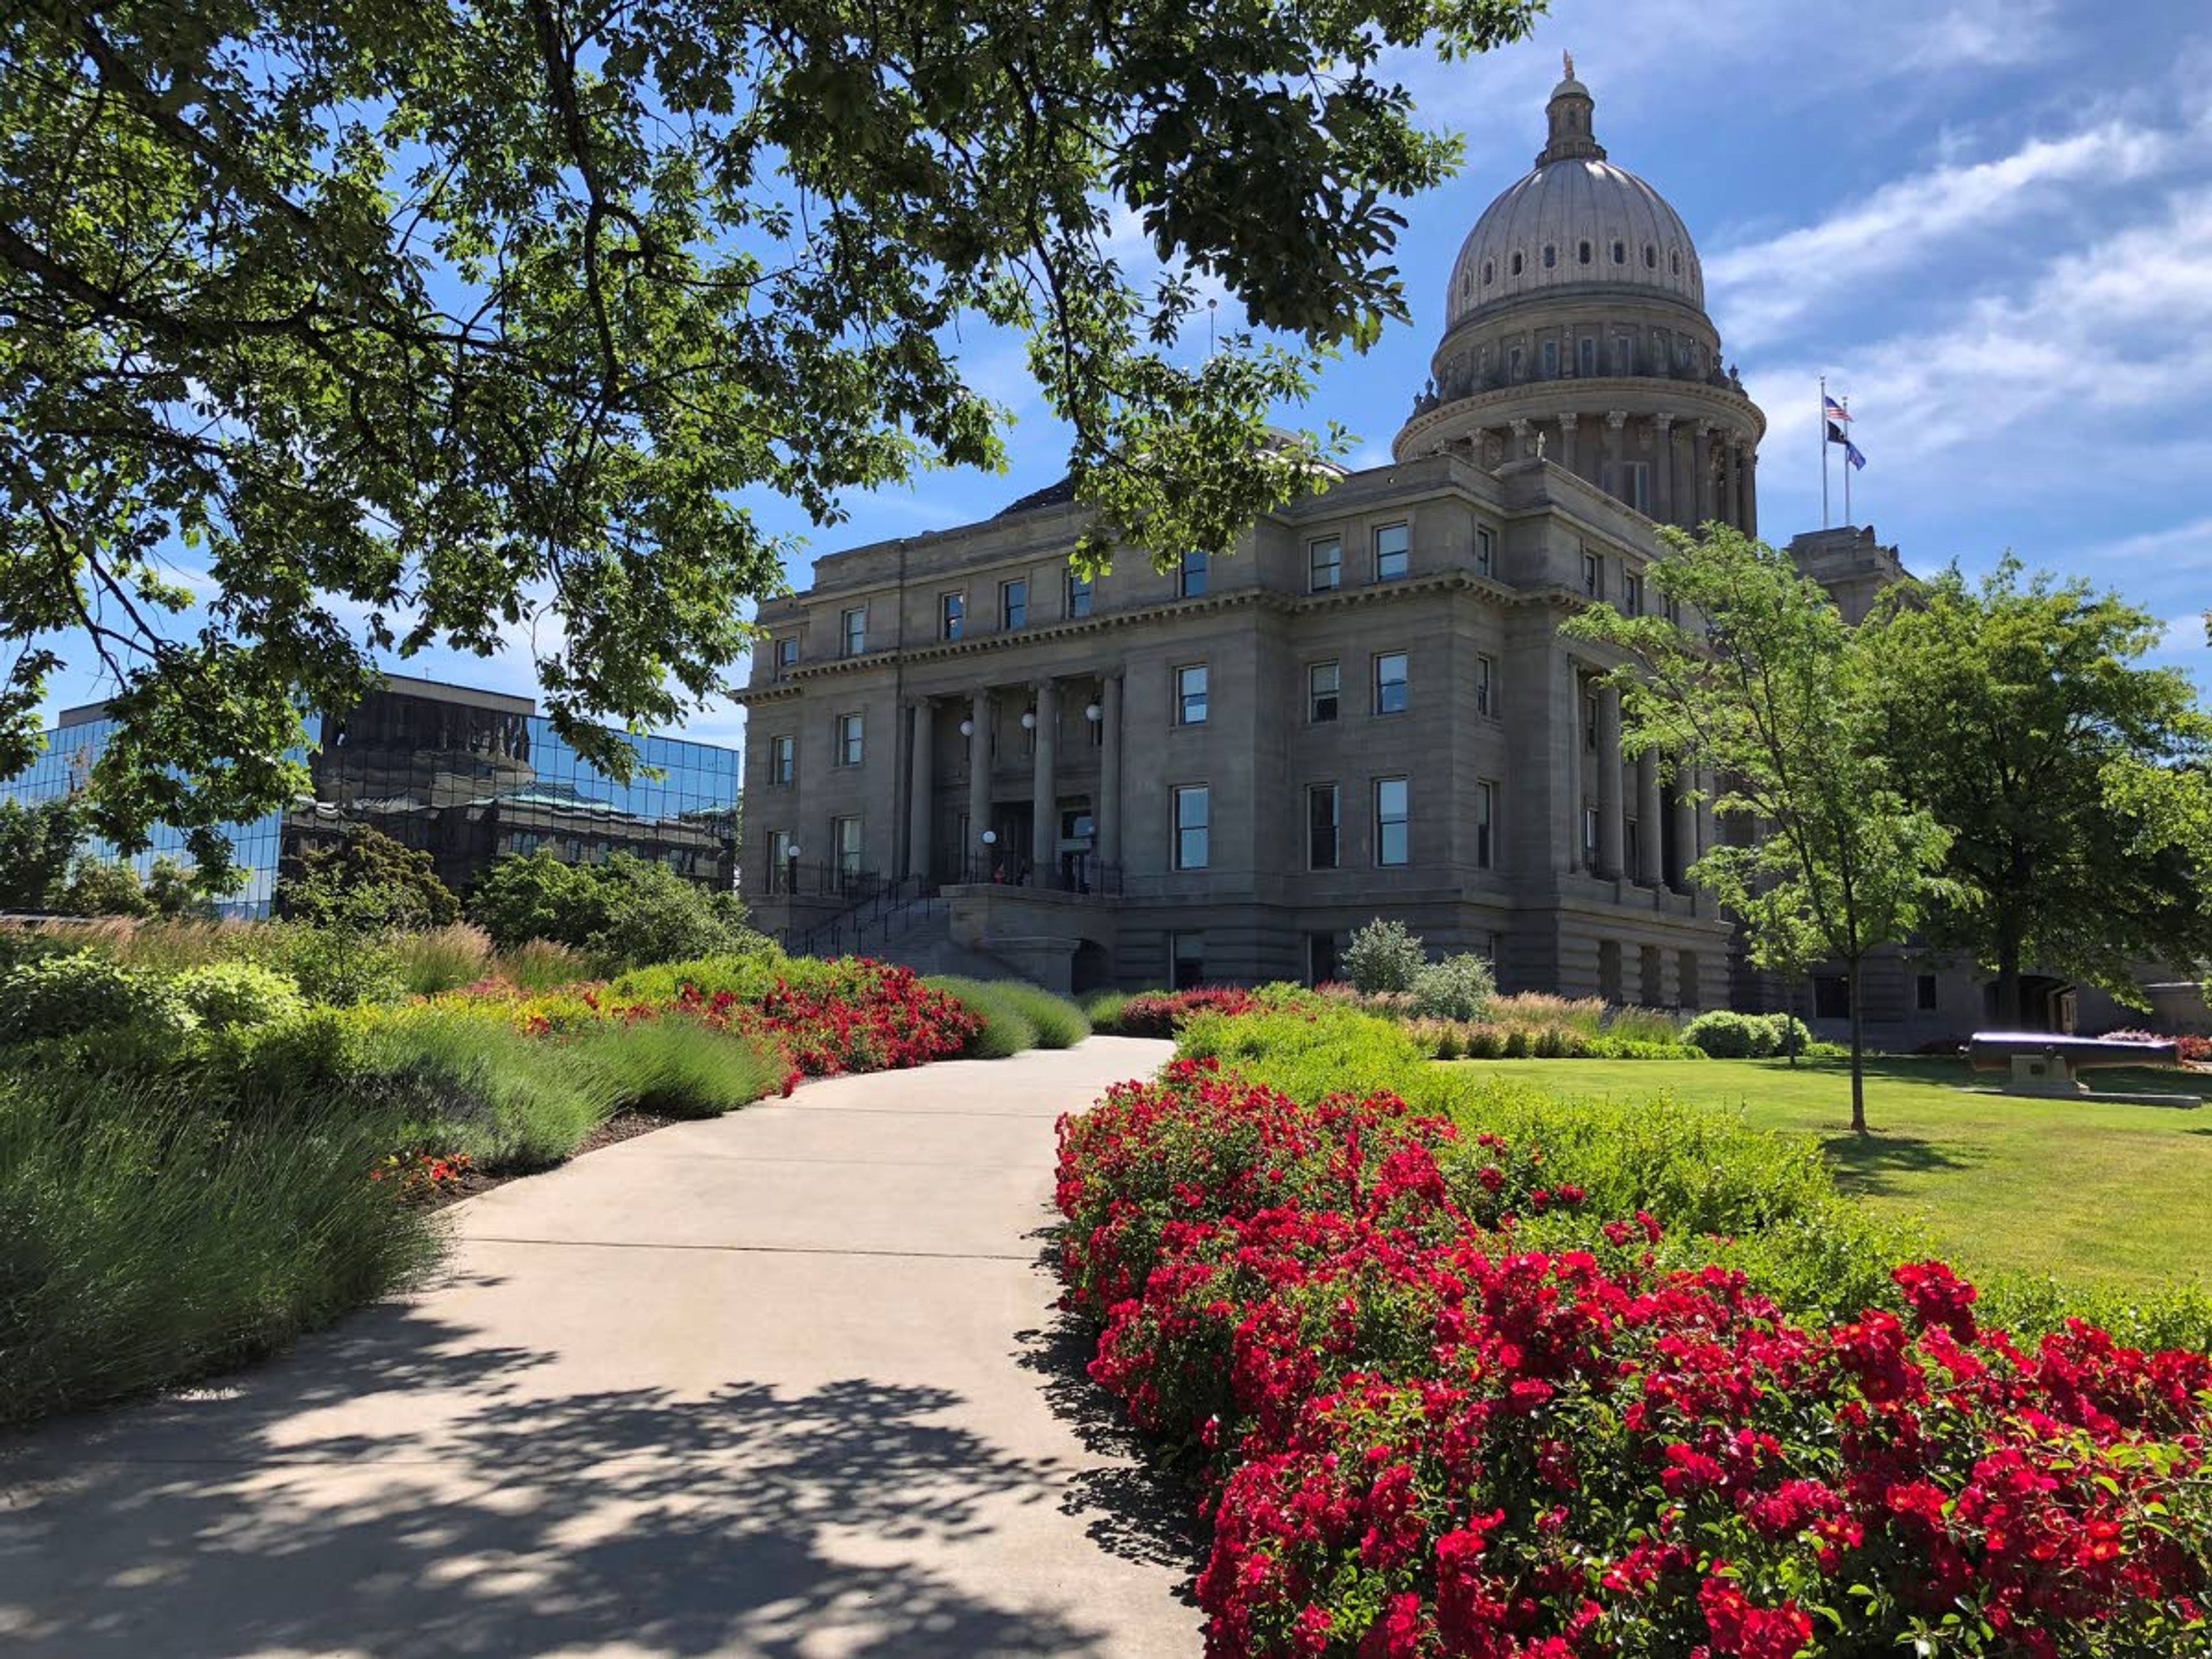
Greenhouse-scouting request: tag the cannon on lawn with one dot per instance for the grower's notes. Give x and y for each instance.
(2046, 1064)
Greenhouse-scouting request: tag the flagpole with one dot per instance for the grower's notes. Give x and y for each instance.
(1823, 429)
(1848, 468)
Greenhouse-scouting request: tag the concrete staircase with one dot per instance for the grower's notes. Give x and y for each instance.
(919, 935)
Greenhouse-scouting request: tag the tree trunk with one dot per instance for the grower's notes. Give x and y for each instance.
(1789, 1013)
(1858, 1052)
(2008, 1010)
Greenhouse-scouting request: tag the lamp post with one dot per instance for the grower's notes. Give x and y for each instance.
(791, 875)
(990, 839)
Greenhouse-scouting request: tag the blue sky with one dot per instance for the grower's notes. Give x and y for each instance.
(1988, 221)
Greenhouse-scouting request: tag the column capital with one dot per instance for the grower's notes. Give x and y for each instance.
(1616, 418)
(1663, 421)
(1566, 421)
(1706, 429)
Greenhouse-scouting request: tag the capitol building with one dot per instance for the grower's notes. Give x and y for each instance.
(1217, 772)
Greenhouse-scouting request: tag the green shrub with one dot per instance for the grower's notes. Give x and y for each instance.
(623, 913)
(223, 994)
(748, 976)
(467, 1081)
(145, 1242)
(1726, 1035)
(445, 958)
(368, 882)
(1780, 1028)
(679, 1068)
(1326, 1049)
(539, 965)
(1458, 988)
(1007, 1029)
(68, 996)
(1384, 957)
(332, 965)
(1059, 1022)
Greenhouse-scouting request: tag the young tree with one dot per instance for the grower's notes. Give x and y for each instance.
(2073, 776)
(440, 316)
(367, 880)
(38, 843)
(103, 887)
(1772, 690)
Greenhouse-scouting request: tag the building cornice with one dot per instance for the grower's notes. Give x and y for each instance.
(1684, 402)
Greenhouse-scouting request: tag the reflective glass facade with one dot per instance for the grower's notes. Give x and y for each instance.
(467, 777)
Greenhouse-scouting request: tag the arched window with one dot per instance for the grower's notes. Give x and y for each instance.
(1582, 253)
(1619, 253)
(1489, 271)
(1674, 259)
(1516, 264)
(1551, 256)
(1651, 257)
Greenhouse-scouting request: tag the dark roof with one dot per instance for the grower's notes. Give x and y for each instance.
(1052, 494)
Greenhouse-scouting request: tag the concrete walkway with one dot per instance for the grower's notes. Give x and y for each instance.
(787, 1383)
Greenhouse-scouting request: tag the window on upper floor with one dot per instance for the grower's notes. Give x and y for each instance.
(782, 758)
(1489, 271)
(1518, 264)
(1632, 484)
(1551, 256)
(951, 615)
(1393, 552)
(1079, 593)
(1486, 826)
(845, 841)
(786, 654)
(1394, 823)
(848, 740)
(1620, 252)
(1586, 356)
(1325, 564)
(853, 633)
(1390, 683)
(1631, 593)
(1548, 356)
(1197, 567)
(1324, 830)
(1486, 549)
(1624, 356)
(1651, 257)
(1323, 684)
(1589, 721)
(1190, 695)
(1516, 360)
(1014, 604)
(1484, 691)
(1593, 575)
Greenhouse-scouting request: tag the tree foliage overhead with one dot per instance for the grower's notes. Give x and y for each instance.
(400, 322)
(1765, 685)
(2075, 780)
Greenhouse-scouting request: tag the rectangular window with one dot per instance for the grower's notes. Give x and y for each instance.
(1390, 683)
(845, 836)
(1632, 844)
(779, 861)
(951, 615)
(1324, 837)
(1014, 604)
(1586, 356)
(1393, 552)
(1623, 362)
(1593, 575)
(787, 654)
(1831, 997)
(1632, 594)
(856, 631)
(1323, 682)
(1190, 695)
(1590, 838)
(1186, 961)
(1486, 824)
(1194, 812)
(1486, 549)
(1589, 721)
(1548, 353)
(1325, 565)
(1924, 988)
(1635, 487)
(1078, 597)
(848, 740)
(1321, 959)
(1392, 823)
(1483, 705)
(1515, 359)
(782, 758)
(1197, 566)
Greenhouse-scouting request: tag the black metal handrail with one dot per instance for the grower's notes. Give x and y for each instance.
(1076, 872)
(792, 879)
(872, 910)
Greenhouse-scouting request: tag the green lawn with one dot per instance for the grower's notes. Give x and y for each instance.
(2120, 1195)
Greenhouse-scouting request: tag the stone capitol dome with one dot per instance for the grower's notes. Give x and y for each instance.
(1576, 330)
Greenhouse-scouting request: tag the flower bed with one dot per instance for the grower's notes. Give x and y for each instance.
(1161, 1013)
(1420, 1438)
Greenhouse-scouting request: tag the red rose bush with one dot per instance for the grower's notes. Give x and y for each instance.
(1418, 1437)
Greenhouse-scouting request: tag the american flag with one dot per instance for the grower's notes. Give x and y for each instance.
(1836, 410)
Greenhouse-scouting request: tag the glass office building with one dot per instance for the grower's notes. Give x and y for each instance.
(465, 776)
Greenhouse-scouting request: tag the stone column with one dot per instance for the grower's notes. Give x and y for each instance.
(1616, 452)
(1686, 829)
(1044, 789)
(1750, 490)
(1732, 508)
(1611, 819)
(921, 792)
(1570, 730)
(1568, 457)
(1522, 444)
(1662, 467)
(1108, 805)
(1650, 846)
(979, 778)
(1701, 471)
(1705, 810)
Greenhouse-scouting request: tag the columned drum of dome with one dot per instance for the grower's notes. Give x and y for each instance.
(1575, 329)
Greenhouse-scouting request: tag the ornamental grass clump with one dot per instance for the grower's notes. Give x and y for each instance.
(1004, 1027)
(1427, 1424)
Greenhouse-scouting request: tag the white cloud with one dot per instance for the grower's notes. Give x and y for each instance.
(1760, 289)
